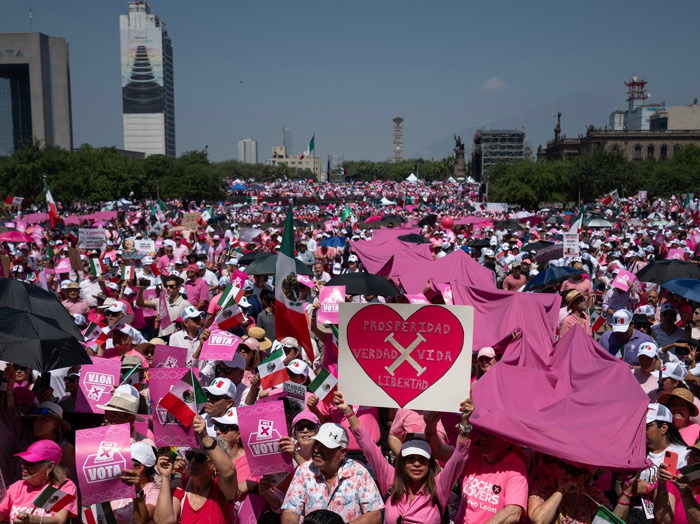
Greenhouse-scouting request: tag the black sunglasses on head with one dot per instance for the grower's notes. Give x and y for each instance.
(199, 458)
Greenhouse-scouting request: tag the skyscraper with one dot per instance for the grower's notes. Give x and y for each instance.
(148, 97)
(248, 151)
(34, 91)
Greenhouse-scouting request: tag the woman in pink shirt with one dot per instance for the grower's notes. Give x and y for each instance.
(418, 492)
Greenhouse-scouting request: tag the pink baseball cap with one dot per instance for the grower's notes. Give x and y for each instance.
(306, 415)
(42, 450)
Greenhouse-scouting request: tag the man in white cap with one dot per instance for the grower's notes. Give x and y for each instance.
(332, 481)
(220, 398)
(624, 340)
(192, 337)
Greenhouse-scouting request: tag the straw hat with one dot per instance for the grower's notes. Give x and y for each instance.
(683, 393)
(124, 403)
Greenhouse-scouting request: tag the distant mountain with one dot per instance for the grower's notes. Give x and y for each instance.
(579, 110)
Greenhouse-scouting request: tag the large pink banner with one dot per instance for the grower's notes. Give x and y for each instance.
(96, 383)
(167, 431)
(262, 425)
(101, 455)
(169, 357)
(221, 345)
(330, 297)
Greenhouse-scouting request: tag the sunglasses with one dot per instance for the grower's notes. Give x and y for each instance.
(19, 368)
(41, 411)
(70, 379)
(288, 350)
(170, 286)
(199, 458)
(215, 398)
(308, 426)
(111, 313)
(225, 428)
(148, 353)
(226, 371)
(244, 349)
(32, 465)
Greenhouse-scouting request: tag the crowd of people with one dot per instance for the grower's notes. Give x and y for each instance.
(352, 463)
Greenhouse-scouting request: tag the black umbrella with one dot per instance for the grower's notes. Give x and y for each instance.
(267, 265)
(662, 270)
(414, 238)
(552, 252)
(551, 275)
(22, 296)
(37, 342)
(364, 284)
(299, 223)
(510, 225)
(556, 219)
(396, 219)
(536, 246)
(479, 243)
(248, 258)
(429, 220)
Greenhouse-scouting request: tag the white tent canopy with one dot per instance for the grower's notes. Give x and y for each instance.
(411, 178)
(386, 202)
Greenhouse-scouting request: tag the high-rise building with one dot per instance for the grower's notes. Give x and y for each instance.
(248, 151)
(148, 95)
(397, 147)
(34, 91)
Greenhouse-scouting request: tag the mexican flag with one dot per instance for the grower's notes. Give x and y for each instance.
(613, 195)
(130, 376)
(252, 200)
(604, 515)
(53, 499)
(310, 149)
(577, 224)
(597, 322)
(272, 370)
(230, 314)
(185, 399)
(97, 266)
(53, 210)
(290, 314)
(14, 201)
(127, 273)
(92, 331)
(324, 385)
(99, 514)
(206, 216)
(345, 214)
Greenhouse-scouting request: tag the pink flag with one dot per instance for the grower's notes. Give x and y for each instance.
(96, 383)
(250, 510)
(167, 431)
(163, 311)
(238, 278)
(330, 297)
(261, 426)
(149, 294)
(101, 455)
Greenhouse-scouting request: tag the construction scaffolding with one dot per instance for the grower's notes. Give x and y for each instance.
(492, 146)
(335, 173)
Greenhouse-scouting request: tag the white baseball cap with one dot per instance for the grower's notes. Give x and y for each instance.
(143, 453)
(230, 417)
(621, 320)
(352, 258)
(221, 387)
(232, 262)
(332, 436)
(415, 447)
(673, 370)
(117, 307)
(659, 412)
(237, 362)
(191, 312)
(298, 367)
(648, 349)
(243, 302)
(645, 310)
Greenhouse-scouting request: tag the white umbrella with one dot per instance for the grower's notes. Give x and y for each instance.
(598, 222)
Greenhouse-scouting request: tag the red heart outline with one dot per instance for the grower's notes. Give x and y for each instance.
(361, 340)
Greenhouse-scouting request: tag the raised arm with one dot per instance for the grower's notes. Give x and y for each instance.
(228, 482)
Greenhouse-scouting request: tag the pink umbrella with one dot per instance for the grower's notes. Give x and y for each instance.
(15, 236)
(373, 218)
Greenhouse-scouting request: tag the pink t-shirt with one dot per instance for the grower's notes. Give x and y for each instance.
(679, 516)
(488, 488)
(21, 494)
(368, 416)
(409, 421)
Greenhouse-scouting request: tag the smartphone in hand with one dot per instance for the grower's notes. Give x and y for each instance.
(671, 460)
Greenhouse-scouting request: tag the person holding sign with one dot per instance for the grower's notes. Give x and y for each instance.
(210, 490)
(418, 492)
(175, 304)
(40, 473)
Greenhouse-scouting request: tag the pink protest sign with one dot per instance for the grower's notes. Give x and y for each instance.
(167, 431)
(405, 355)
(238, 278)
(101, 455)
(96, 383)
(330, 297)
(163, 312)
(149, 294)
(221, 345)
(169, 357)
(303, 279)
(63, 266)
(675, 254)
(418, 298)
(20, 226)
(250, 510)
(446, 291)
(623, 280)
(328, 225)
(262, 425)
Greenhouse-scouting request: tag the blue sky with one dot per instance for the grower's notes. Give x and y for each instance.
(344, 70)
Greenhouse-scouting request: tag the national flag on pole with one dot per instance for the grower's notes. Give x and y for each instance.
(597, 322)
(92, 331)
(272, 370)
(613, 195)
(154, 269)
(688, 199)
(577, 224)
(126, 273)
(206, 216)
(51, 204)
(14, 201)
(230, 314)
(310, 149)
(252, 200)
(99, 514)
(185, 399)
(604, 515)
(345, 214)
(53, 499)
(324, 385)
(126, 375)
(290, 315)
(97, 266)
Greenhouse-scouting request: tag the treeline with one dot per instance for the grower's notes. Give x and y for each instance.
(530, 184)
